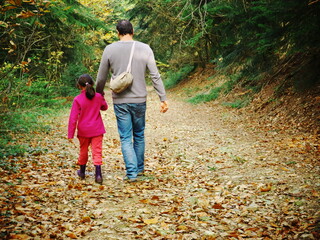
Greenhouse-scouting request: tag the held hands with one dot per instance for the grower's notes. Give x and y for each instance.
(163, 107)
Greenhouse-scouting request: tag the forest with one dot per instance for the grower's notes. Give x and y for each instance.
(257, 59)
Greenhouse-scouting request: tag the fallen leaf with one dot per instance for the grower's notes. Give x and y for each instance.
(85, 219)
(233, 235)
(183, 228)
(72, 235)
(151, 221)
(217, 206)
(135, 220)
(19, 236)
(266, 188)
(155, 198)
(284, 169)
(145, 201)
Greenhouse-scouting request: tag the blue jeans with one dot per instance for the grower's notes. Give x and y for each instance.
(131, 124)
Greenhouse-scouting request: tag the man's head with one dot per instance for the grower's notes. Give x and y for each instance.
(124, 27)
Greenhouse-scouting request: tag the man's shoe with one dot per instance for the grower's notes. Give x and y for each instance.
(129, 179)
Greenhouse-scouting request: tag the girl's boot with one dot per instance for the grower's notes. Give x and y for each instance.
(82, 172)
(98, 174)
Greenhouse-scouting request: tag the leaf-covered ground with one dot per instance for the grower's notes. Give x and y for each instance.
(210, 174)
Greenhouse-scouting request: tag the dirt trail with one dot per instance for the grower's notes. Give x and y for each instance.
(210, 174)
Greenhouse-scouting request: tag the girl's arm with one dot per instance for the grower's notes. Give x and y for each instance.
(73, 119)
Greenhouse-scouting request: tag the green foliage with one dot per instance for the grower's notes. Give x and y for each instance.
(206, 97)
(213, 168)
(70, 74)
(16, 131)
(172, 78)
(229, 85)
(239, 103)
(215, 92)
(251, 36)
(24, 93)
(44, 47)
(171, 42)
(42, 44)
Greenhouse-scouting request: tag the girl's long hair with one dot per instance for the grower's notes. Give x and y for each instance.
(86, 81)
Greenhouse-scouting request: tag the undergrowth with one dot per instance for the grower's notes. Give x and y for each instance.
(18, 128)
(238, 103)
(215, 92)
(206, 97)
(172, 78)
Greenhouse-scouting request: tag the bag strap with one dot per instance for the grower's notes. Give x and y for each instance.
(130, 59)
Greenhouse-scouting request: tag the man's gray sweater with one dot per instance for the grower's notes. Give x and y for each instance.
(116, 57)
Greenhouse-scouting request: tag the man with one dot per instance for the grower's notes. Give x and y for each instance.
(130, 105)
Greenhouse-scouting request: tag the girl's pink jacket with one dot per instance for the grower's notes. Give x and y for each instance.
(85, 116)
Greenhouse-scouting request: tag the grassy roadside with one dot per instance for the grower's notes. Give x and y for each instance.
(21, 128)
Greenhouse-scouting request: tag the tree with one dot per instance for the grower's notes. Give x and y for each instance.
(40, 41)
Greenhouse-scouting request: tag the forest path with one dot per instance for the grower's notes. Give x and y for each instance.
(210, 174)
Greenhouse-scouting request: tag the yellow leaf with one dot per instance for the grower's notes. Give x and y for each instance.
(151, 221)
(266, 188)
(145, 201)
(135, 220)
(284, 169)
(182, 228)
(274, 225)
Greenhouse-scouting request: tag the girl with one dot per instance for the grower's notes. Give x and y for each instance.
(85, 116)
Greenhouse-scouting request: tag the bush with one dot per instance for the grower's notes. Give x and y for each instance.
(172, 78)
(215, 92)
(239, 103)
(212, 95)
(18, 128)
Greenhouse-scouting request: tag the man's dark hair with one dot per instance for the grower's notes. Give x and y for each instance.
(124, 27)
